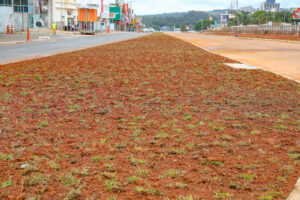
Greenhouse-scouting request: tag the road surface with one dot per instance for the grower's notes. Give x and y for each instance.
(19, 52)
(277, 56)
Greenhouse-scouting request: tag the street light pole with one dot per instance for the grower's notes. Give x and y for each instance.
(13, 14)
(28, 31)
(61, 14)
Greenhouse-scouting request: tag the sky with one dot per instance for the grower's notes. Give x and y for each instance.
(145, 7)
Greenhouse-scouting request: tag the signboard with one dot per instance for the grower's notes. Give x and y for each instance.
(224, 21)
(125, 8)
(296, 14)
(224, 18)
(116, 11)
(105, 14)
(112, 15)
(30, 9)
(85, 14)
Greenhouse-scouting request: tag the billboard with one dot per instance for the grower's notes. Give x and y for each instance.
(105, 13)
(224, 18)
(296, 14)
(89, 15)
(125, 8)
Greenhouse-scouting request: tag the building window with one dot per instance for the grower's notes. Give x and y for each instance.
(5, 2)
(21, 6)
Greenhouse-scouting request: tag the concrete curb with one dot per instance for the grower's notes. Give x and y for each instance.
(295, 195)
(9, 43)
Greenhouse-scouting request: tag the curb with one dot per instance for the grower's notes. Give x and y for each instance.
(10, 43)
(295, 195)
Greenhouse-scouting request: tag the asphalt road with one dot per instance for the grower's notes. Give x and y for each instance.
(276, 56)
(18, 52)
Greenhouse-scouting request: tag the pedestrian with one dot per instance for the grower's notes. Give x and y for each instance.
(54, 28)
(73, 27)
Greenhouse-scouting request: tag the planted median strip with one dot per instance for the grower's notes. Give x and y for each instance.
(149, 118)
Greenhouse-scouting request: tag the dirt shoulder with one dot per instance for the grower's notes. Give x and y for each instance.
(276, 56)
(267, 36)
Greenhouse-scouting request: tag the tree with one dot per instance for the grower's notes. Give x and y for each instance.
(206, 23)
(183, 28)
(241, 18)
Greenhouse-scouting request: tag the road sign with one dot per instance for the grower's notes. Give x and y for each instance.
(30, 9)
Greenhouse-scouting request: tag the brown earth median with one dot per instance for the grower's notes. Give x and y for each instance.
(150, 118)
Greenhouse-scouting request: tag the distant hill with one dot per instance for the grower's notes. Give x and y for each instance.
(180, 18)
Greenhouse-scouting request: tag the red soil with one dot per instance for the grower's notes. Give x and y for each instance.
(157, 109)
(279, 37)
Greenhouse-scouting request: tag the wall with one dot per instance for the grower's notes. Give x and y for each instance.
(5, 18)
(20, 21)
(67, 5)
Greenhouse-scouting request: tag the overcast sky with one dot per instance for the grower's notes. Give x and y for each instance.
(143, 7)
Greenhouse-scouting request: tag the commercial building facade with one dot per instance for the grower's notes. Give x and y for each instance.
(270, 5)
(65, 14)
(21, 14)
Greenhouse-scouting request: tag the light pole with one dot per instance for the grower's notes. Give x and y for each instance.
(61, 21)
(13, 14)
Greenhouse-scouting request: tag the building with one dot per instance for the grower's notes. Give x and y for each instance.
(65, 13)
(22, 14)
(6, 14)
(34, 14)
(270, 5)
(248, 9)
(88, 18)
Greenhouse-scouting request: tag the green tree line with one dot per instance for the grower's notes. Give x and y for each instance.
(260, 17)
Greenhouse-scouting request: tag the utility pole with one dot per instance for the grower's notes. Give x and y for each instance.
(61, 21)
(237, 12)
(28, 31)
(13, 14)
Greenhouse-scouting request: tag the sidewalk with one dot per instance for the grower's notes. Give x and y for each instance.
(21, 37)
(42, 35)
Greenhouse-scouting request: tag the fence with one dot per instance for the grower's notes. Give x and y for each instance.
(262, 29)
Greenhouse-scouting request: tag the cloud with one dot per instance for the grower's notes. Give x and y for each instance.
(143, 7)
(165, 6)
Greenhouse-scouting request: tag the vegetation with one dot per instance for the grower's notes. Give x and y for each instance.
(178, 19)
(260, 17)
(194, 19)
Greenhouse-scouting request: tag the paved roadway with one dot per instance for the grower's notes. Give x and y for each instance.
(280, 57)
(18, 52)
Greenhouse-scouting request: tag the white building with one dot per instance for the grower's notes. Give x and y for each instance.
(37, 13)
(65, 13)
(270, 5)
